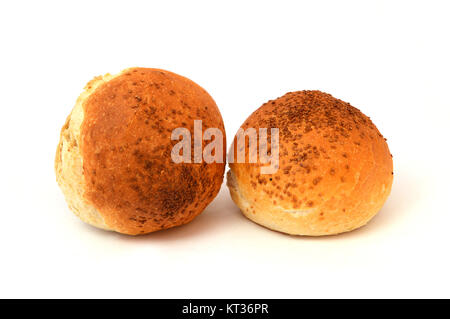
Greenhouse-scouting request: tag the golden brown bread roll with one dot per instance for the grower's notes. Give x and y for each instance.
(335, 168)
(113, 161)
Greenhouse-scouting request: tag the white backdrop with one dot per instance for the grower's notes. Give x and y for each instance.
(388, 58)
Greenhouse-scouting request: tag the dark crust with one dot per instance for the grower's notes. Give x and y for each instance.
(311, 110)
(126, 146)
(324, 142)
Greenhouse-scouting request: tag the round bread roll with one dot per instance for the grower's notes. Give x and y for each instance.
(113, 162)
(335, 169)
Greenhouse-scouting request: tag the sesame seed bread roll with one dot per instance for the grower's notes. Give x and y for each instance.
(113, 162)
(335, 169)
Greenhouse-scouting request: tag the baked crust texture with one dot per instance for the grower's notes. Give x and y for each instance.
(124, 171)
(335, 168)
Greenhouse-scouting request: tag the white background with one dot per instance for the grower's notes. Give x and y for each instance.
(388, 58)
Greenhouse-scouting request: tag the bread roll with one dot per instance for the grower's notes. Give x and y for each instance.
(113, 161)
(335, 169)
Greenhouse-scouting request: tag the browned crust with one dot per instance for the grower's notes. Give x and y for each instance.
(335, 170)
(126, 146)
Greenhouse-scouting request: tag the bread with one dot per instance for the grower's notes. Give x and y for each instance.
(113, 162)
(335, 169)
